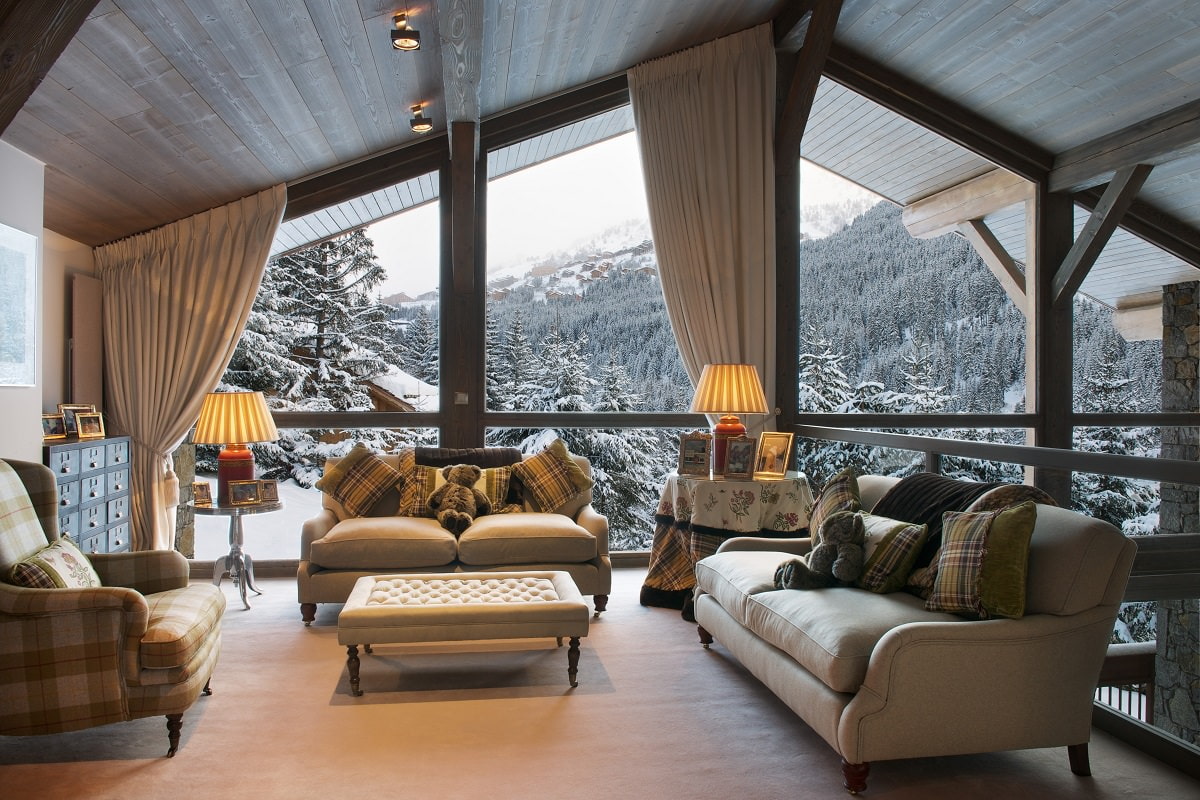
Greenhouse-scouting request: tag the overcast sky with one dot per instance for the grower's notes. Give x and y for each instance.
(546, 208)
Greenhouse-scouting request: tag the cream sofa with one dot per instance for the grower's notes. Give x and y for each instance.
(336, 549)
(879, 677)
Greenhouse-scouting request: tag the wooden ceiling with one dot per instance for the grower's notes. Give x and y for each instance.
(157, 109)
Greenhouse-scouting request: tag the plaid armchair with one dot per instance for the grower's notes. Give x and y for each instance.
(143, 643)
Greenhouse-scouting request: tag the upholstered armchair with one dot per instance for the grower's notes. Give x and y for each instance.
(142, 643)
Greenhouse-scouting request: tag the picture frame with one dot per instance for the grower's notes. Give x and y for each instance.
(774, 451)
(70, 410)
(739, 458)
(201, 493)
(268, 491)
(18, 306)
(695, 453)
(53, 427)
(243, 493)
(89, 425)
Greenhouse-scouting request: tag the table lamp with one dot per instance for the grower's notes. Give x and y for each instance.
(728, 390)
(234, 419)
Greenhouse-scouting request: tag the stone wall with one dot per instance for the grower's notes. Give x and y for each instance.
(1177, 673)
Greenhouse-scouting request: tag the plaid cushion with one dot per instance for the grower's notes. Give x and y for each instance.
(180, 623)
(984, 559)
(493, 482)
(412, 486)
(359, 480)
(551, 477)
(892, 549)
(839, 494)
(956, 585)
(21, 535)
(56, 566)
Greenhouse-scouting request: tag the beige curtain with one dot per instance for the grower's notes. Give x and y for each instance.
(705, 127)
(175, 302)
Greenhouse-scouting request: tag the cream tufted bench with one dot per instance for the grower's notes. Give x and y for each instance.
(469, 606)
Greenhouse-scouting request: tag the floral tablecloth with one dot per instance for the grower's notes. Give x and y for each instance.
(695, 515)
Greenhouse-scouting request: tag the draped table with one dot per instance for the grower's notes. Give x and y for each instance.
(696, 514)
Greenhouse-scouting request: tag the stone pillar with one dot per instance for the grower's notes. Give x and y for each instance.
(184, 460)
(1177, 672)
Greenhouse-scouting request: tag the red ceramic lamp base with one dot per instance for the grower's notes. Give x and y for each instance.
(728, 427)
(235, 462)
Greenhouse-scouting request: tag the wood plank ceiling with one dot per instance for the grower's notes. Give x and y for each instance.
(158, 109)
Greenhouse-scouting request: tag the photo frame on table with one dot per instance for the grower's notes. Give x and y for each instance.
(53, 427)
(201, 493)
(70, 410)
(695, 453)
(774, 450)
(739, 458)
(89, 425)
(268, 491)
(243, 493)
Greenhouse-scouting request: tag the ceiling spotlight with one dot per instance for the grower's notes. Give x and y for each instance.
(404, 37)
(420, 123)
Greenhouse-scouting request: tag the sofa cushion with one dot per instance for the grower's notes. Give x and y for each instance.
(380, 543)
(359, 480)
(179, 624)
(891, 550)
(840, 493)
(983, 563)
(493, 482)
(56, 566)
(551, 478)
(732, 577)
(525, 538)
(832, 632)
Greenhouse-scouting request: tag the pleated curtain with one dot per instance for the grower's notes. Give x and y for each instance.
(705, 127)
(175, 302)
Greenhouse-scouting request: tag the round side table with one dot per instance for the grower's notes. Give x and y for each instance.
(238, 563)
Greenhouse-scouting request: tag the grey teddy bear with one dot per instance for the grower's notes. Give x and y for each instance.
(457, 502)
(837, 556)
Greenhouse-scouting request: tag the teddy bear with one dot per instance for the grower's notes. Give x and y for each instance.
(836, 559)
(457, 502)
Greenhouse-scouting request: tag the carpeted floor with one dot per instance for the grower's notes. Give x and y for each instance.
(655, 715)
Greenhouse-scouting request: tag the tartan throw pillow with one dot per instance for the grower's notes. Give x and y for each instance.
(891, 551)
(551, 477)
(839, 494)
(56, 566)
(359, 480)
(493, 482)
(984, 562)
(412, 489)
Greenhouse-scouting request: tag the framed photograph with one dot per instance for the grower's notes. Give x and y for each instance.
(243, 493)
(69, 410)
(53, 426)
(201, 493)
(774, 450)
(19, 317)
(695, 453)
(739, 458)
(89, 425)
(268, 491)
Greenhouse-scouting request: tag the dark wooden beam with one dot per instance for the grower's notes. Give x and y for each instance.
(1159, 228)
(510, 127)
(1157, 140)
(805, 76)
(914, 101)
(791, 24)
(1098, 230)
(32, 37)
(464, 137)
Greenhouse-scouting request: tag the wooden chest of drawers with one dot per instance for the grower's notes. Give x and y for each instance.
(93, 491)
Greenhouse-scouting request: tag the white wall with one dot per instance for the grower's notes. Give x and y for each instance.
(62, 258)
(21, 208)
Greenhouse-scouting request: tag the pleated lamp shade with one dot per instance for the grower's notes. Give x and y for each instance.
(233, 419)
(728, 390)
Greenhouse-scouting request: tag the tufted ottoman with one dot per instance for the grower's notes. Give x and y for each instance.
(468, 606)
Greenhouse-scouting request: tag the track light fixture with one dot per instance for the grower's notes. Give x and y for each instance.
(419, 122)
(404, 37)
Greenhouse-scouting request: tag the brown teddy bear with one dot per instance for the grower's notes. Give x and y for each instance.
(836, 558)
(457, 502)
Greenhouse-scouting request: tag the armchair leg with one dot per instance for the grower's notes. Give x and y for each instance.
(207, 690)
(601, 603)
(308, 612)
(854, 776)
(1078, 754)
(174, 726)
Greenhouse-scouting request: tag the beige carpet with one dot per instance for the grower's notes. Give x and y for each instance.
(655, 715)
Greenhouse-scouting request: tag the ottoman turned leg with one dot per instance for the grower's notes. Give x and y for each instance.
(573, 660)
(352, 664)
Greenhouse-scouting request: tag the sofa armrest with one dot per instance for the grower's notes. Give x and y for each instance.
(315, 528)
(1031, 679)
(20, 605)
(145, 571)
(797, 547)
(596, 524)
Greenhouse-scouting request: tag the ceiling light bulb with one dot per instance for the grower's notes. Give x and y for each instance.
(420, 123)
(404, 37)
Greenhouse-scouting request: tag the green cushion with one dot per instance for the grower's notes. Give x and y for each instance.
(983, 563)
(891, 551)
